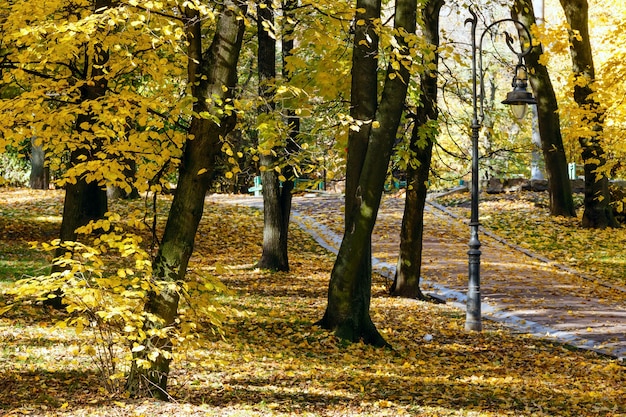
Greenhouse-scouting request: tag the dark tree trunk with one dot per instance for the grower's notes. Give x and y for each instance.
(598, 213)
(39, 172)
(84, 200)
(364, 101)
(276, 196)
(129, 173)
(561, 201)
(208, 73)
(369, 151)
(408, 271)
(276, 213)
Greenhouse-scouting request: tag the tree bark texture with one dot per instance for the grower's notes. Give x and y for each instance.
(364, 101)
(208, 73)
(349, 293)
(560, 188)
(598, 213)
(84, 200)
(408, 271)
(276, 196)
(39, 172)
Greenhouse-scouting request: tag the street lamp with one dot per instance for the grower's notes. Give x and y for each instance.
(518, 99)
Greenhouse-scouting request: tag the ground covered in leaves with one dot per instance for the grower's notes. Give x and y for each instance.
(273, 360)
(523, 219)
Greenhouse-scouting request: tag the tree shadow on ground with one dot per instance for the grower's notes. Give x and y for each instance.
(42, 389)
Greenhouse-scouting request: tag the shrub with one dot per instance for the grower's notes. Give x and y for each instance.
(104, 287)
(14, 171)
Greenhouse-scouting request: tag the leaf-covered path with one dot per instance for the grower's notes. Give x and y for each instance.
(523, 290)
(273, 360)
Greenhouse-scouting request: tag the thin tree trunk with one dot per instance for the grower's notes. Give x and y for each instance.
(561, 200)
(276, 196)
(598, 213)
(208, 73)
(408, 271)
(39, 172)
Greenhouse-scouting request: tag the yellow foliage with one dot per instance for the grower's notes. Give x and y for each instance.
(58, 51)
(105, 285)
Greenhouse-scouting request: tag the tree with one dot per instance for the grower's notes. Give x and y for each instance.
(598, 212)
(561, 200)
(39, 172)
(369, 150)
(84, 76)
(86, 200)
(277, 182)
(212, 77)
(423, 137)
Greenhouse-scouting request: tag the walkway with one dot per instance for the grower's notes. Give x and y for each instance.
(518, 288)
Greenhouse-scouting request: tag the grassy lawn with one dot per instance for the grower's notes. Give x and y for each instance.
(273, 360)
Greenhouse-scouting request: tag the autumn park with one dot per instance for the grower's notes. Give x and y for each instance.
(312, 208)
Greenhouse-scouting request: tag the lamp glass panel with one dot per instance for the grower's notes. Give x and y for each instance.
(519, 110)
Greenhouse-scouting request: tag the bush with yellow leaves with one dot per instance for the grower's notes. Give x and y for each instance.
(104, 287)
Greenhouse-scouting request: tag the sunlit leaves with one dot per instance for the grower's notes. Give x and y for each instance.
(56, 52)
(110, 297)
(525, 222)
(272, 359)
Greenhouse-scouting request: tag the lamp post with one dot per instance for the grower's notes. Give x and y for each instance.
(518, 99)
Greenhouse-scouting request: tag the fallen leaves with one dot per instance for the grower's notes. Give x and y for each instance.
(523, 219)
(273, 360)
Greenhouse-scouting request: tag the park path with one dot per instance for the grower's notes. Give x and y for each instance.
(520, 289)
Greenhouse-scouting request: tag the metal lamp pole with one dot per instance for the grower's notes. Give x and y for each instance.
(519, 99)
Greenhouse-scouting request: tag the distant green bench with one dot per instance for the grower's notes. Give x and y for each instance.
(257, 188)
(298, 184)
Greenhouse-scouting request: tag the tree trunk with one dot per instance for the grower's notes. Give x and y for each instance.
(561, 201)
(208, 73)
(598, 213)
(276, 197)
(408, 271)
(84, 200)
(276, 213)
(364, 101)
(39, 172)
(369, 151)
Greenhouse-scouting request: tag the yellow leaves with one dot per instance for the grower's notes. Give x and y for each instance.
(80, 324)
(53, 36)
(272, 346)
(4, 309)
(137, 348)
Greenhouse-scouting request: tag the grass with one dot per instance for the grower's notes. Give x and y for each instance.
(273, 360)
